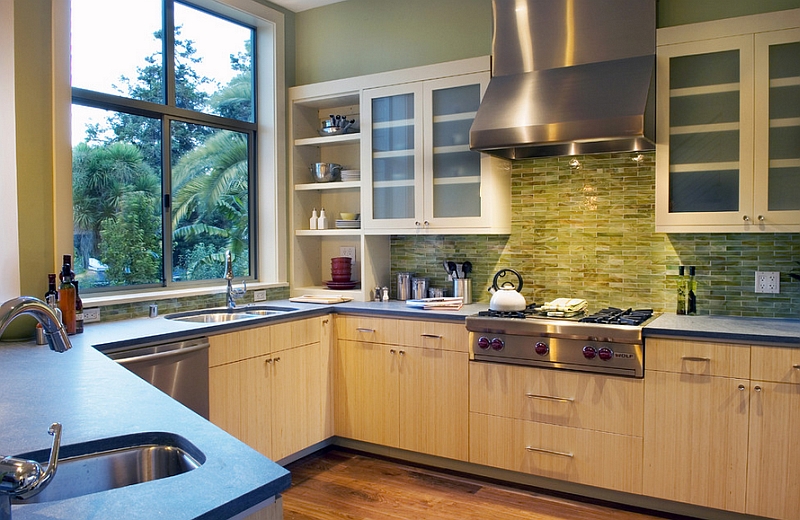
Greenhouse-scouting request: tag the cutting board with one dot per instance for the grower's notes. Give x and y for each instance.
(311, 298)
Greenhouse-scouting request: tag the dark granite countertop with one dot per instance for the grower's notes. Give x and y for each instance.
(755, 331)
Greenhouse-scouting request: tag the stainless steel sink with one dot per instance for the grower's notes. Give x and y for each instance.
(226, 315)
(116, 467)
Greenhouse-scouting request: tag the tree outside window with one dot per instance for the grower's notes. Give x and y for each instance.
(163, 154)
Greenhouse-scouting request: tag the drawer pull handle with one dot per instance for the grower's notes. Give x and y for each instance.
(550, 398)
(368, 331)
(434, 336)
(694, 358)
(549, 452)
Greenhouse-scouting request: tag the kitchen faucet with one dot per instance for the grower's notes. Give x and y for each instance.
(231, 293)
(54, 331)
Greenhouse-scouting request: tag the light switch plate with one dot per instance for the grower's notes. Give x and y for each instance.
(768, 282)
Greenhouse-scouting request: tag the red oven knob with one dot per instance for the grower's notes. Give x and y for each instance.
(589, 352)
(541, 348)
(483, 342)
(498, 344)
(605, 353)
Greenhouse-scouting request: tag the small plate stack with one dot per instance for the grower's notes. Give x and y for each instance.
(351, 175)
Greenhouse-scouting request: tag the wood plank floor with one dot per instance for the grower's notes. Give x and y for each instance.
(339, 484)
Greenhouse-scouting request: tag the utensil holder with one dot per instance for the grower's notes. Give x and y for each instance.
(463, 287)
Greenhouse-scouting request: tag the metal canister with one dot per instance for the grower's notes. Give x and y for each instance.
(419, 288)
(404, 286)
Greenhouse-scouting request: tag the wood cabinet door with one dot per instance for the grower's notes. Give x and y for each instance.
(223, 400)
(695, 439)
(299, 387)
(434, 402)
(773, 478)
(366, 392)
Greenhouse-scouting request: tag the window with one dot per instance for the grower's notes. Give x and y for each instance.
(164, 133)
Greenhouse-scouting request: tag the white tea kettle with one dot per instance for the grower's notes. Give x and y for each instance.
(507, 297)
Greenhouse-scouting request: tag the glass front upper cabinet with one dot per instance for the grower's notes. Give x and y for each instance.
(777, 150)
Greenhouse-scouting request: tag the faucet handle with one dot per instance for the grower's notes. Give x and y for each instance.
(24, 478)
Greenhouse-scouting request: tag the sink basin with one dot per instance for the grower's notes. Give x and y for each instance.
(226, 315)
(122, 461)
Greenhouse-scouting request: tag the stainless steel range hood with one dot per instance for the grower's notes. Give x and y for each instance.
(569, 77)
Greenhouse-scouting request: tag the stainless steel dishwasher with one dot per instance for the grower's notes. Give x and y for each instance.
(179, 369)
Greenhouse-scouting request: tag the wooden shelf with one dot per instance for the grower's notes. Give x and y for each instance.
(328, 232)
(329, 140)
(336, 185)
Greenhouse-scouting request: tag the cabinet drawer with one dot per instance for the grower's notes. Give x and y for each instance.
(589, 401)
(366, 328)
(295, 333)
(778, 364)
(433, 334)
(573, 454)
(697, 357)
(235, 346)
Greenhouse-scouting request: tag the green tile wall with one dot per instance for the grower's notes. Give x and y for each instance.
(589, 233)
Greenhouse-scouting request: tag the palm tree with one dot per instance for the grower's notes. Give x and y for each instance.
(210, 196)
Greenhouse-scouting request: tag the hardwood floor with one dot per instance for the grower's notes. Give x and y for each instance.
(338, 484)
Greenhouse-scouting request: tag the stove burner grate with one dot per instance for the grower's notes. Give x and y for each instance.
(615, 316)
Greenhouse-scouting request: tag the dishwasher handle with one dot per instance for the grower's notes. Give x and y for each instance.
(160, 356)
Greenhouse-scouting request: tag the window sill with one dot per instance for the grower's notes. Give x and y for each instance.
(103, 299)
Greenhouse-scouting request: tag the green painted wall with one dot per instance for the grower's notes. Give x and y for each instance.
(679, 12)
(365, 36)
(589, 233)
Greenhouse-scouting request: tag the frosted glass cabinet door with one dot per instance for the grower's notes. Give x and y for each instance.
(394, 144)
(452, 170)
(706, 96)
(777, 155)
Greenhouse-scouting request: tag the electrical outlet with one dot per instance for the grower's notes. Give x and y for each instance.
(768, 282)
(260, 296)
(91, 315)
(349, 252)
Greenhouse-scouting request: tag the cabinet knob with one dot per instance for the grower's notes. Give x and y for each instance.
(761, 218)
(268, 360)
(417, 223)
(277, 359)
(402, 352)
(746, 218)
(741, 388)
(392, 351)
(757, 388)
(426, 223)
(796, 367)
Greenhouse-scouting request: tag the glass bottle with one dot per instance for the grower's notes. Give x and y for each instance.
(66, 295)
(52, 290)
(681, 309)
(691, 297)
(78, 309)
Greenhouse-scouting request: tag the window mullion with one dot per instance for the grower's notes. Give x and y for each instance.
(166, 200)
(168, 42)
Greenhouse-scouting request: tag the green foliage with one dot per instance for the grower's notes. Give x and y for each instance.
(131, 242)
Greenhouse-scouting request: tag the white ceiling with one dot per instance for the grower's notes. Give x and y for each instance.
(301, 5)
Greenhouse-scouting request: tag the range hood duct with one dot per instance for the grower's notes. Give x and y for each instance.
(569, 77)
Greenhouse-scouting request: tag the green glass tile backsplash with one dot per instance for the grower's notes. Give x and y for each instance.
(589, 233)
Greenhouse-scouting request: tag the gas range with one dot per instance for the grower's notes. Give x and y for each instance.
(608, 341)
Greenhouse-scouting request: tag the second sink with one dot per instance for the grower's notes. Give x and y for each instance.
(225, 315)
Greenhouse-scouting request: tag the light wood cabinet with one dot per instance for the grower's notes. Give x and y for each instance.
(773, 476)
(403, 389)
(271, 387)
(727, 158)
(584, 428)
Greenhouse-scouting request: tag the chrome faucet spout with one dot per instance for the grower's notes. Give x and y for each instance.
(54, 331)
(231, 294)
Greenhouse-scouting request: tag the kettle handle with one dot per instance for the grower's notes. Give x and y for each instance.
(502, 273)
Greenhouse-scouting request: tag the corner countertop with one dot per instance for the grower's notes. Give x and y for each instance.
(95, 399)
(734, 329)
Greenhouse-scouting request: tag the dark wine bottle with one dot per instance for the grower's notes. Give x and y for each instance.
(78, 309)
(52, 289)
(681, 308)
(691, 298)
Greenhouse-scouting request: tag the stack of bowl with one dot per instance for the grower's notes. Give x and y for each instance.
(341, 270)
